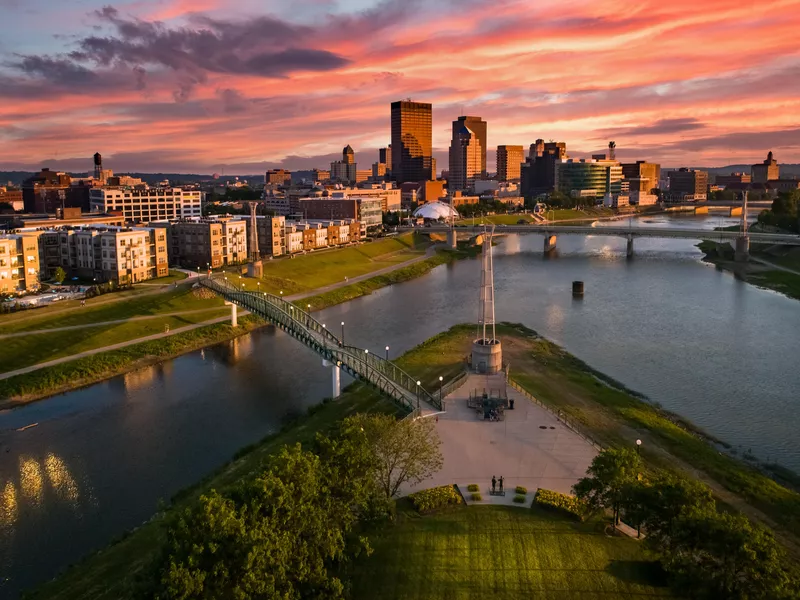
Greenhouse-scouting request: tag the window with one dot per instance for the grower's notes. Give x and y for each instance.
(31, 271)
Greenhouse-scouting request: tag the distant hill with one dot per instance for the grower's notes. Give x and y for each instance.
(787, 170)
(17, 177)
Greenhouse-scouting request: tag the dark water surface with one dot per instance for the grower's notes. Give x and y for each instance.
(703, 344)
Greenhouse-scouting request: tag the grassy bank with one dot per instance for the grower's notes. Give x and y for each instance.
(505, 553)
(91, 369)
(111, 573)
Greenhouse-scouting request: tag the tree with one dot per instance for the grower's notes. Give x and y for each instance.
(60, 275)
(407, 451)
(610, 475)
(719, 555)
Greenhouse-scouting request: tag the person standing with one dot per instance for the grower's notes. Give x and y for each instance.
(494, 483)
(501, 484)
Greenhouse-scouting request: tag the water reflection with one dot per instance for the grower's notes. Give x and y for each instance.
(8, 504)
(31, 480)
(139, 378)
(60, 478)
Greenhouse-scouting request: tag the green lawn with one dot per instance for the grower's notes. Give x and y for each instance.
(505, 553)
(780, 281)
(307, 272)
(497, 219)
(176, 300)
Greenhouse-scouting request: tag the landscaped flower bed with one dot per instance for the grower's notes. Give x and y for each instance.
(428, 500)
(569, 505)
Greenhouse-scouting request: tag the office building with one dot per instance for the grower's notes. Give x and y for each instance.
(509, 161)
(688, 184)
(465, 158)
(784, 185)
(411, 141)
(538, 172)
(733, 180)
(19, 263)
(588, 178)
(378, 170)
(478, 127)
(49, 190)
(208, 242)
(345, 170)
(310, 176)
(277, 177)
(765, 171)
(121, 254)
(642, 175)
(12, 197)
(145, 204)
(387, 193)
(367, 211)
(385, 157)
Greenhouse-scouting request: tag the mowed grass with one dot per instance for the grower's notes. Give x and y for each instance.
(780, 281)
(179, 299)
(19, 352)
(505, 553)
(498, 219)
(317, 269)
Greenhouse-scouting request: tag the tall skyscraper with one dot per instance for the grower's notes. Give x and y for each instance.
(642, 175)
(345, 170)
(385, 156)
(538, 174)
(478, 127)
(688, 184)
(766, 171)
(411, 141)
(509, 159)
(465, 159)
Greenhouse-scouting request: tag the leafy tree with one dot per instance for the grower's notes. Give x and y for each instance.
(610, 475)
(407, 451)
(60, 275)
(719, 555)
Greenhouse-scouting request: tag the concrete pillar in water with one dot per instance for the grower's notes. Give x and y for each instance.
(549, 243)
(452, 238)
(742, 253)
(234, 321)
(630, 246)
(336, 373)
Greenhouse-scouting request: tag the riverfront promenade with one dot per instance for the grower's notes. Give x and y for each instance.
(530, 447)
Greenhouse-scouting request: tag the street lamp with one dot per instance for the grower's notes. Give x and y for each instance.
(638, 446)
(342, 333)
(419, 383)
(387, 352)
(441, 379)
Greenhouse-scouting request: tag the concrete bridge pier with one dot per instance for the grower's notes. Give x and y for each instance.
(452, 238)
(630, 247)
(549, 243)
(742, 253)
(336, 373)
(234, 320)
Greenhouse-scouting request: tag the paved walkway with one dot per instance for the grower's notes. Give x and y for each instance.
(773, 265)
(530, 447)
(115, 322)
(335, 286)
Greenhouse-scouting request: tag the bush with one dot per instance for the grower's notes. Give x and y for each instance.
(555, 501)
(476, 497)
(519, 498)
(428, 500)
(473, 487)
(521, 490)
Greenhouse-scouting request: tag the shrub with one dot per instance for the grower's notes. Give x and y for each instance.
(428, 500)
(519, 498)
(473, 487)
(562, 503)
(521, 490)
(476, 497)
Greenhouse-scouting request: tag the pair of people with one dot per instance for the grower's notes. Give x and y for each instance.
(495, 482)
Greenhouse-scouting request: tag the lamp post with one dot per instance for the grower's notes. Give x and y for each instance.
(342, 333)
(638, 446)
(387, 352)
(418, 384)
(324, 339)
(441, 380)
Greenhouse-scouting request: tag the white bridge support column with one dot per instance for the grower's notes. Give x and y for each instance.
(452, 238)
(336, 374)
(234, 320)
(630, 246)
(549, 243)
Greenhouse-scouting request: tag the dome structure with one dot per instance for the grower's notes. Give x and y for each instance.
(436, 210)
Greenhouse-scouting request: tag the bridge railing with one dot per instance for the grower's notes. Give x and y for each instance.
(385, 375)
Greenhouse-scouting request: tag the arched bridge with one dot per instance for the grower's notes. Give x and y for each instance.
(359, 363)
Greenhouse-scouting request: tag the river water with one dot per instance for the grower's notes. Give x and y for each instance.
(697, 340)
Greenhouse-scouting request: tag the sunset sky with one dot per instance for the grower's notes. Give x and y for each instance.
(206, 85)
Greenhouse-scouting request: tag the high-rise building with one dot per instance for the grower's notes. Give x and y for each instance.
(766, 171)
(588, 178)
(147, 204)
(478, 127)
(509, 160)
(643, 175)
(345, 170)
(385, 156)
(465, 158)
(688, 184)
(411, 141)
(538, 172)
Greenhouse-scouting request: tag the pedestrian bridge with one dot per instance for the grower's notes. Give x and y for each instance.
(359, 363)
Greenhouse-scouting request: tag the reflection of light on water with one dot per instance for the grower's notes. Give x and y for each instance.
(8, 504)
(60, 477)
(30, 479)
(555, 316)
(139, 378)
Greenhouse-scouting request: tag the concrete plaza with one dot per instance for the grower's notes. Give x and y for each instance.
(530, 447)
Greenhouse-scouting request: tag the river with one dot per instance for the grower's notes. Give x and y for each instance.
(697, 340)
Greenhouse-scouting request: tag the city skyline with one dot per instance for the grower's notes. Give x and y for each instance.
(178, 86)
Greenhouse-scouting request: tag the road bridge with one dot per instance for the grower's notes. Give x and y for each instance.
(359, 363)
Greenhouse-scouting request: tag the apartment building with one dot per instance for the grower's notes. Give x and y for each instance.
(302, 236)
(271, 234)
(122, 254)
(19, 263)
(208, 242)
(145, 204)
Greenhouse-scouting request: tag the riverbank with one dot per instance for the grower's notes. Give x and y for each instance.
(764, 270)
(48, 381)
